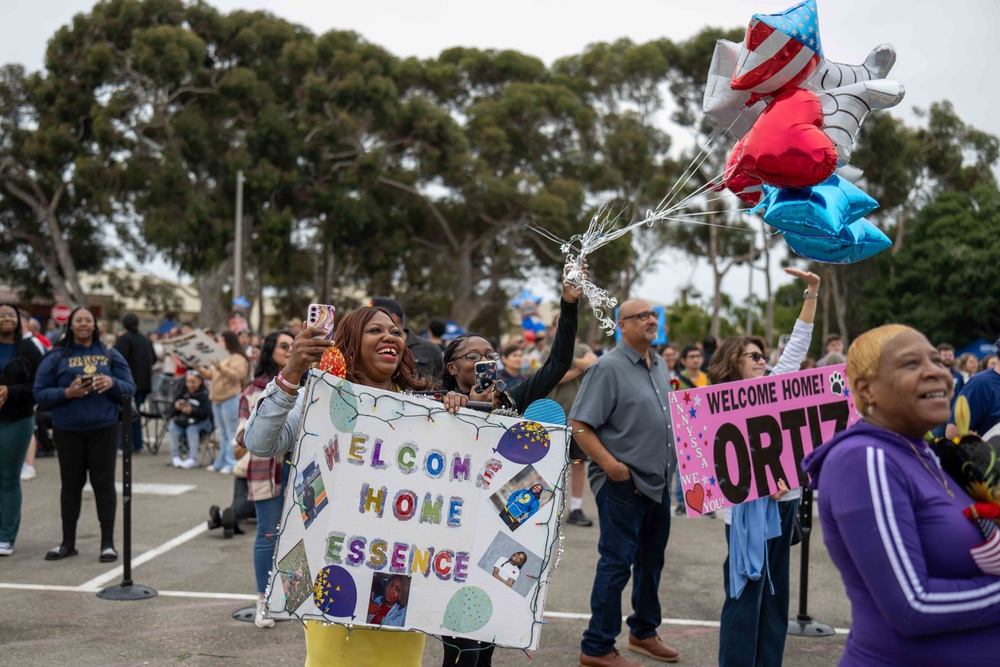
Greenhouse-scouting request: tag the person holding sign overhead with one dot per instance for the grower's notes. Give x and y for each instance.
(759, 532)
(375, 355)
(228, 380)
(893, 520)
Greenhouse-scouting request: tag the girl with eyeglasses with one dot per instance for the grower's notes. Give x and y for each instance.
(458, 379)
(755, 612)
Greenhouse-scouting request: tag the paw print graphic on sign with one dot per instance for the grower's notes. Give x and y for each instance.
(836, 383)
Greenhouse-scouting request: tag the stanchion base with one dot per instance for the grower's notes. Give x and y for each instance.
(246, 614)
(132, 592)
(808, 628)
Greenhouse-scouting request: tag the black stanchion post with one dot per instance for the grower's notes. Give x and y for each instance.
(127, 590)
(803, 624)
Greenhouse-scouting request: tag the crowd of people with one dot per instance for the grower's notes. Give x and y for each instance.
(916, 575)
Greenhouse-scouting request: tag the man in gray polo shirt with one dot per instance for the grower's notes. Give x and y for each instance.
(621, 420)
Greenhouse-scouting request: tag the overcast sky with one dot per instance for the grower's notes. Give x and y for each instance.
(945, 50)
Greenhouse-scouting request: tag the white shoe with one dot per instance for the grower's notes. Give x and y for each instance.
(188, 463)
(7, 549)
(263, 618)
(211, 468)
(226, 471)
(176, 462)
(27, 472)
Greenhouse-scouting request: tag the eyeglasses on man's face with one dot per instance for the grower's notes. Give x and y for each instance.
(642, 317)
(756, 356)
(473, 357)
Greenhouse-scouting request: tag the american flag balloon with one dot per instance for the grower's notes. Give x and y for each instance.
(780, 51)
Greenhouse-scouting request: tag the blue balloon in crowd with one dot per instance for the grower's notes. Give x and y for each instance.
(547, 411)
(859, 240)
(533, 324)
(822, 210)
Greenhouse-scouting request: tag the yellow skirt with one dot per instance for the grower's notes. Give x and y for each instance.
(329, 646)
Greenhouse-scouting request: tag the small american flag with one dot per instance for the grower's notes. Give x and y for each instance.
(780, 51)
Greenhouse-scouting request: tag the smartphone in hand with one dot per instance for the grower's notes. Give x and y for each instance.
(87, 380)
(323, 316)
(486, 375)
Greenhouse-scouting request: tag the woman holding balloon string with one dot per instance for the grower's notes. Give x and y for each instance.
(459, 379)
(375, 355)
(755, 612)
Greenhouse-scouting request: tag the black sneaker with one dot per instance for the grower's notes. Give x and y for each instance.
(578, 518)
(680, 511)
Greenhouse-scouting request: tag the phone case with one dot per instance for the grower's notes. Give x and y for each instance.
(486, 375)
(323, 316)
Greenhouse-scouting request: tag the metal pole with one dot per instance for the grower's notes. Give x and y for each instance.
(803, 625)
(238, 261)
(127, 590)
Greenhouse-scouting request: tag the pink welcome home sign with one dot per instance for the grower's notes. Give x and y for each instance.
(736, 440)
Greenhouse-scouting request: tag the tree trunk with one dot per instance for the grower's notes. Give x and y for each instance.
(467, 304)
(769, 303)
(839, 304)
(825, 303)
(713, 257)
(213, 313)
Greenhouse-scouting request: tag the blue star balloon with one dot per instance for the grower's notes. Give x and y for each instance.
(859, 240)
(822, 210)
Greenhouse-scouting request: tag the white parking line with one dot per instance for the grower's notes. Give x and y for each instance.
(243, 597)
(97, 582)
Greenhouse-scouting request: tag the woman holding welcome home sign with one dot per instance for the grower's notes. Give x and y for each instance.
(755, 612)
(375, 355)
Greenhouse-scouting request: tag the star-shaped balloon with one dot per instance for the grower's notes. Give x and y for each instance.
(780, 51)
(857, 241)
(821, 210)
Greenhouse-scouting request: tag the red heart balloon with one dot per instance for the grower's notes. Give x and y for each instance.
(696, 498)
(749, 189)
(787, 147)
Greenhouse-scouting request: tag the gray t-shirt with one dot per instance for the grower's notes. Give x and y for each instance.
(626, 403)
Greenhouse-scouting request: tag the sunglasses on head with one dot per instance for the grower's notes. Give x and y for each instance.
(756, 356)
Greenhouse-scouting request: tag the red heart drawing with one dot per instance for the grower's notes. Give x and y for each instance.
(787, 147)
(696, 498)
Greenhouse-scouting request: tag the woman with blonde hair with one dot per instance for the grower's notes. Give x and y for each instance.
(892, 520)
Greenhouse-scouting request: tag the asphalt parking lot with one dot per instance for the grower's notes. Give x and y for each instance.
(50, 614)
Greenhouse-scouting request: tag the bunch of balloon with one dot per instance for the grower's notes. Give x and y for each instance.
(797, 116)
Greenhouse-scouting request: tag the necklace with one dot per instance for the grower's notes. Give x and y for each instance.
(941, 477)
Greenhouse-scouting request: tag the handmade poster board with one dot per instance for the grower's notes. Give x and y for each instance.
(735, 441)
(195, 349)
(401, 516)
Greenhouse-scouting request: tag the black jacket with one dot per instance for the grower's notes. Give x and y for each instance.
(18, 375)
(201, 407)
(139, 354)
(541, 383)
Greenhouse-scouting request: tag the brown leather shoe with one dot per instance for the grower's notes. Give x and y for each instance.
(613, 659)
(654, 648)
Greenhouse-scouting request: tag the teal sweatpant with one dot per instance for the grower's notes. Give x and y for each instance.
(15, 436)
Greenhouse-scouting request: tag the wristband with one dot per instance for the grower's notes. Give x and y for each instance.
(281, 380)
(807, 295)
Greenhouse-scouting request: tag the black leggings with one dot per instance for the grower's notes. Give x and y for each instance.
(82, 452)
(467, 652)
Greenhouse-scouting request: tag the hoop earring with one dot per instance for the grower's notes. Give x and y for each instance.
(871, 410)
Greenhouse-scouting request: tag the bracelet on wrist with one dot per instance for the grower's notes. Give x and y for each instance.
(287, 386)
(807, 295)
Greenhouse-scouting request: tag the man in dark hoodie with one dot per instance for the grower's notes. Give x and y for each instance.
(139, 354)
